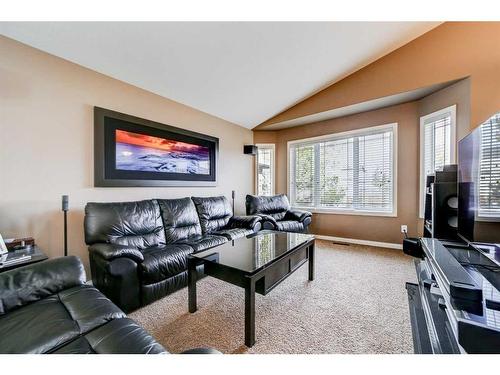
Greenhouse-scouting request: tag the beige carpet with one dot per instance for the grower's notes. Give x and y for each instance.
(356, 304)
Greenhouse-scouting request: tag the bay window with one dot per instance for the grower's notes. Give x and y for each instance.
(352, 172)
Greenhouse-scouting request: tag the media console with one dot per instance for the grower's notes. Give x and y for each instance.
(455, 306)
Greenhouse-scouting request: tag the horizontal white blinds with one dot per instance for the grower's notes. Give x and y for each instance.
(345, 173)
(265, 156)
(489, 170)
(437, 143)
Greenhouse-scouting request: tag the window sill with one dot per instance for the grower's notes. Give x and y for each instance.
(487, 217)
(348, 212)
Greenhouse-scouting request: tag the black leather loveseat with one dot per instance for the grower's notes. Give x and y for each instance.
(277, 214)
(47, 308)
(138, 250)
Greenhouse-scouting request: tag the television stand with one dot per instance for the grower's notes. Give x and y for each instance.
(455, 306)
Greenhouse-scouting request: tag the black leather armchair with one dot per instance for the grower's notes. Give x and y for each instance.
(277, 214)
(47, 308)
(216, 217)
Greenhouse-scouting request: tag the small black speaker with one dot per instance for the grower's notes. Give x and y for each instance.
(65, 203)
(250, 150)
(233, 193)
(413, 247)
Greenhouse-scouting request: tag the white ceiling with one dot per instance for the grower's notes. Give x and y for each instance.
(241, 72)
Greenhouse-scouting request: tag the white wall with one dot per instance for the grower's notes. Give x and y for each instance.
(46, 145)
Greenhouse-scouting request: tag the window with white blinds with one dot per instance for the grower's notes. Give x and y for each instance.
(346, 172)
(437, 145)
(489, 168)
(265, 169)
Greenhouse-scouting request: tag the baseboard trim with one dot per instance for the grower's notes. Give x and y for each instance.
(387, 245)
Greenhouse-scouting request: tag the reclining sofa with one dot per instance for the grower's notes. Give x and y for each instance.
(47, 308)
(138, 250)
(276, 213)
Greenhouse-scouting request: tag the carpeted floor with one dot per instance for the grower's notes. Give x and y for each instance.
(356, 304)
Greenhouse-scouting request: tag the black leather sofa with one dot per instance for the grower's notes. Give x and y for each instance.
(277, 214)
(138, 250)
(47, 308)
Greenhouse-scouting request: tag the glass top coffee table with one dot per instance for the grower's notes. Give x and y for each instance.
(257, 263)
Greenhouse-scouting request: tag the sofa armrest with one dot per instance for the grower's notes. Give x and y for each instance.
(298, 215)
(268, 218)
(21, 286)
(109, 251)
(246, 222)
(201, 351)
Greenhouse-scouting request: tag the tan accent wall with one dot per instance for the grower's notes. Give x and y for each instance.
(457, 94)
(46, 135)
(451, 51)
(374, 228)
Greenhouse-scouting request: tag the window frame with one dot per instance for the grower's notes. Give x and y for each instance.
(332, 136)
(271, 146)
(453, 149)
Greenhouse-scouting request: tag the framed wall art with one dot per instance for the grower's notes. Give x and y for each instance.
(131, 151)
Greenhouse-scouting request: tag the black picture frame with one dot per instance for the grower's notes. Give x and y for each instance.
(106, 122)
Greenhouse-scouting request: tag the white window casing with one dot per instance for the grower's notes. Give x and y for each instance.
(265, 169)
(437, 145)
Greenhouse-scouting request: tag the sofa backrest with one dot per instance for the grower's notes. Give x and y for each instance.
(137, 224)
(180, 219)
(214, 213)
(25, 285)
(275, 206)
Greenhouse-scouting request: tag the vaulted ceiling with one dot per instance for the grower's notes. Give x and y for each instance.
(243, 72)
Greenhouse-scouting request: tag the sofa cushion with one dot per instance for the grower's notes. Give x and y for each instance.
(275, 206)
(232, 234)
(180, 219)
(163, 262)
(37, 328)
(47, 324)
(120, 336)
(137, 224)
(200, 243)
(289, 226)
(88, 307)
(214, 213)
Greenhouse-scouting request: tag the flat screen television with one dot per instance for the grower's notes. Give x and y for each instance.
(479, 184)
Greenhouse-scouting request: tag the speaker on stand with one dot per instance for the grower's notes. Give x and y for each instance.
(65, 208)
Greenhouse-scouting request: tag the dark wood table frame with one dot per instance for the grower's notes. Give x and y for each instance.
(261, 281)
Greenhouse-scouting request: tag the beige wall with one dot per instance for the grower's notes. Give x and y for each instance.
(451, 51)
(383, 229)
(46, 124)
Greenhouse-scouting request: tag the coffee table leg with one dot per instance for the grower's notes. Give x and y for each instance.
(192, 285)
(311, 262)
(250, 313)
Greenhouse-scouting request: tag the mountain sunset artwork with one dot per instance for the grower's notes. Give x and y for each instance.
(141, 152)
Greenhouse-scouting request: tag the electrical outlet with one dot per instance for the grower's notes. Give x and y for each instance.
(404, 228)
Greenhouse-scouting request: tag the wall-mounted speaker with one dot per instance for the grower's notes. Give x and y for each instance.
(250, 150)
